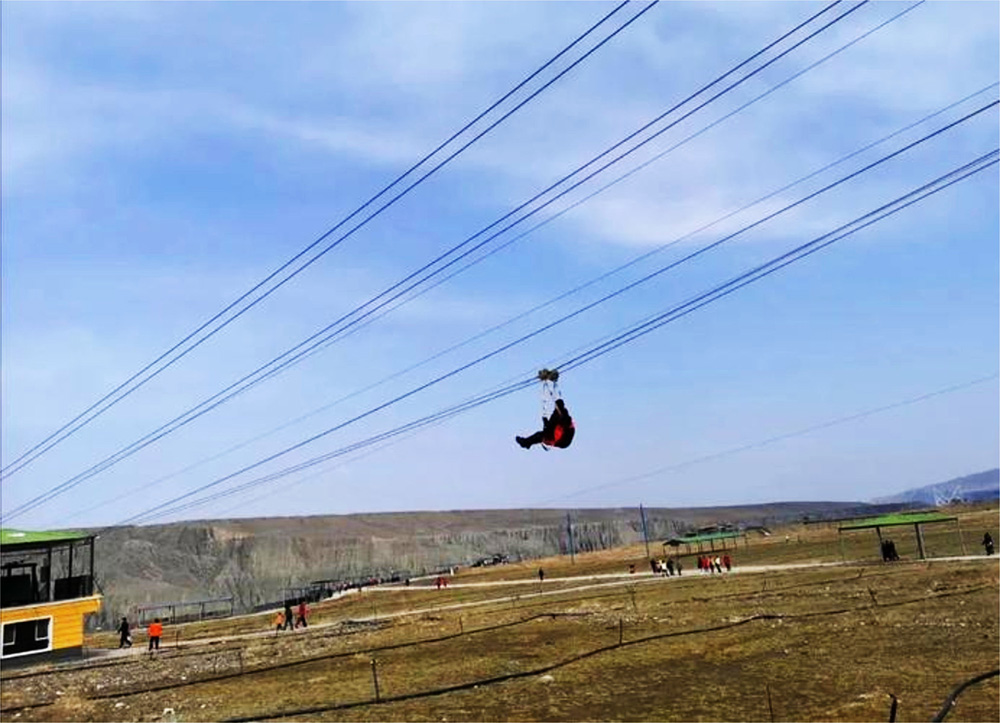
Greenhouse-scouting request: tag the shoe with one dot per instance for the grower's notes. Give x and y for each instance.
(522, 441)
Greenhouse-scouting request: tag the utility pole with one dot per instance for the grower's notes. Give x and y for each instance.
(645, 532)
(572, 550)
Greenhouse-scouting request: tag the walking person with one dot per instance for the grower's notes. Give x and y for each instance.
(125, 641)
(728, 562)
(541, 575)
(155, 633)
(289, 617)
(279, 622)
(303, 610)
(988, 543)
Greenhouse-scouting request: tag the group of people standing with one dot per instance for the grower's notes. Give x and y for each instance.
(283, 620)
(708, 563)
(666, 567)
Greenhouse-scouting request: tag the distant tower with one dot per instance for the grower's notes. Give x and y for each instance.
(946, 495)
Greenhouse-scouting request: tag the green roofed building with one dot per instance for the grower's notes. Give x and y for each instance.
(46, 592)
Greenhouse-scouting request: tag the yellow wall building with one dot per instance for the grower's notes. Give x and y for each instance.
(46, 592)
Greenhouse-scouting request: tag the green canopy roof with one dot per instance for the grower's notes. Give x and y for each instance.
(899, 518)
(704, 537)
(23, 537)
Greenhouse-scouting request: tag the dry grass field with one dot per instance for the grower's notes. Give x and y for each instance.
(780, 638)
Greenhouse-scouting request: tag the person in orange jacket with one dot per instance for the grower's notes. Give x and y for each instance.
(155, 633)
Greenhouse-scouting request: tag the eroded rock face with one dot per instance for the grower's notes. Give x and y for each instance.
(253, 560)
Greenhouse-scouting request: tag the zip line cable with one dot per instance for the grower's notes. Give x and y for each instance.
(72, 482)
(34, 452)
(560, 297)
(755, 274)
(334, 332)
(228, 393)
(780, 262)
(672, 468)
(414, 426)
(779, 438)
(848, 229)
(341, 464)
(506, 244)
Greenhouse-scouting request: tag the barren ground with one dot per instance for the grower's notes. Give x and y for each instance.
(808, 629)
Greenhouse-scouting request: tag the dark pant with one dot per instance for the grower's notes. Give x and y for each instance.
(301, 620)
(535, 438)
(539, 437)
(154, 642)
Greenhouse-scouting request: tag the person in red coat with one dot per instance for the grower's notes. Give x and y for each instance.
(558, 429)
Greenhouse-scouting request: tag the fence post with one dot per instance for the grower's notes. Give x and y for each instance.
(961, 538)
(378, 698)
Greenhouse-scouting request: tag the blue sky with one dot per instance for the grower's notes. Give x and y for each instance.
(161, 158)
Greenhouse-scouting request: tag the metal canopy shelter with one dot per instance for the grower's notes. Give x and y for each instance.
(711, 538)
(897, 520)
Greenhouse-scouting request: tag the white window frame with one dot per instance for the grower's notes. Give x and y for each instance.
(48, 618)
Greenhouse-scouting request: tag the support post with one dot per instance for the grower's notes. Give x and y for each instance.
(920, 541)
(645, 531)
(93, 577)
(378, 697)
(48, 594)
(961, 538)
(572, 549)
